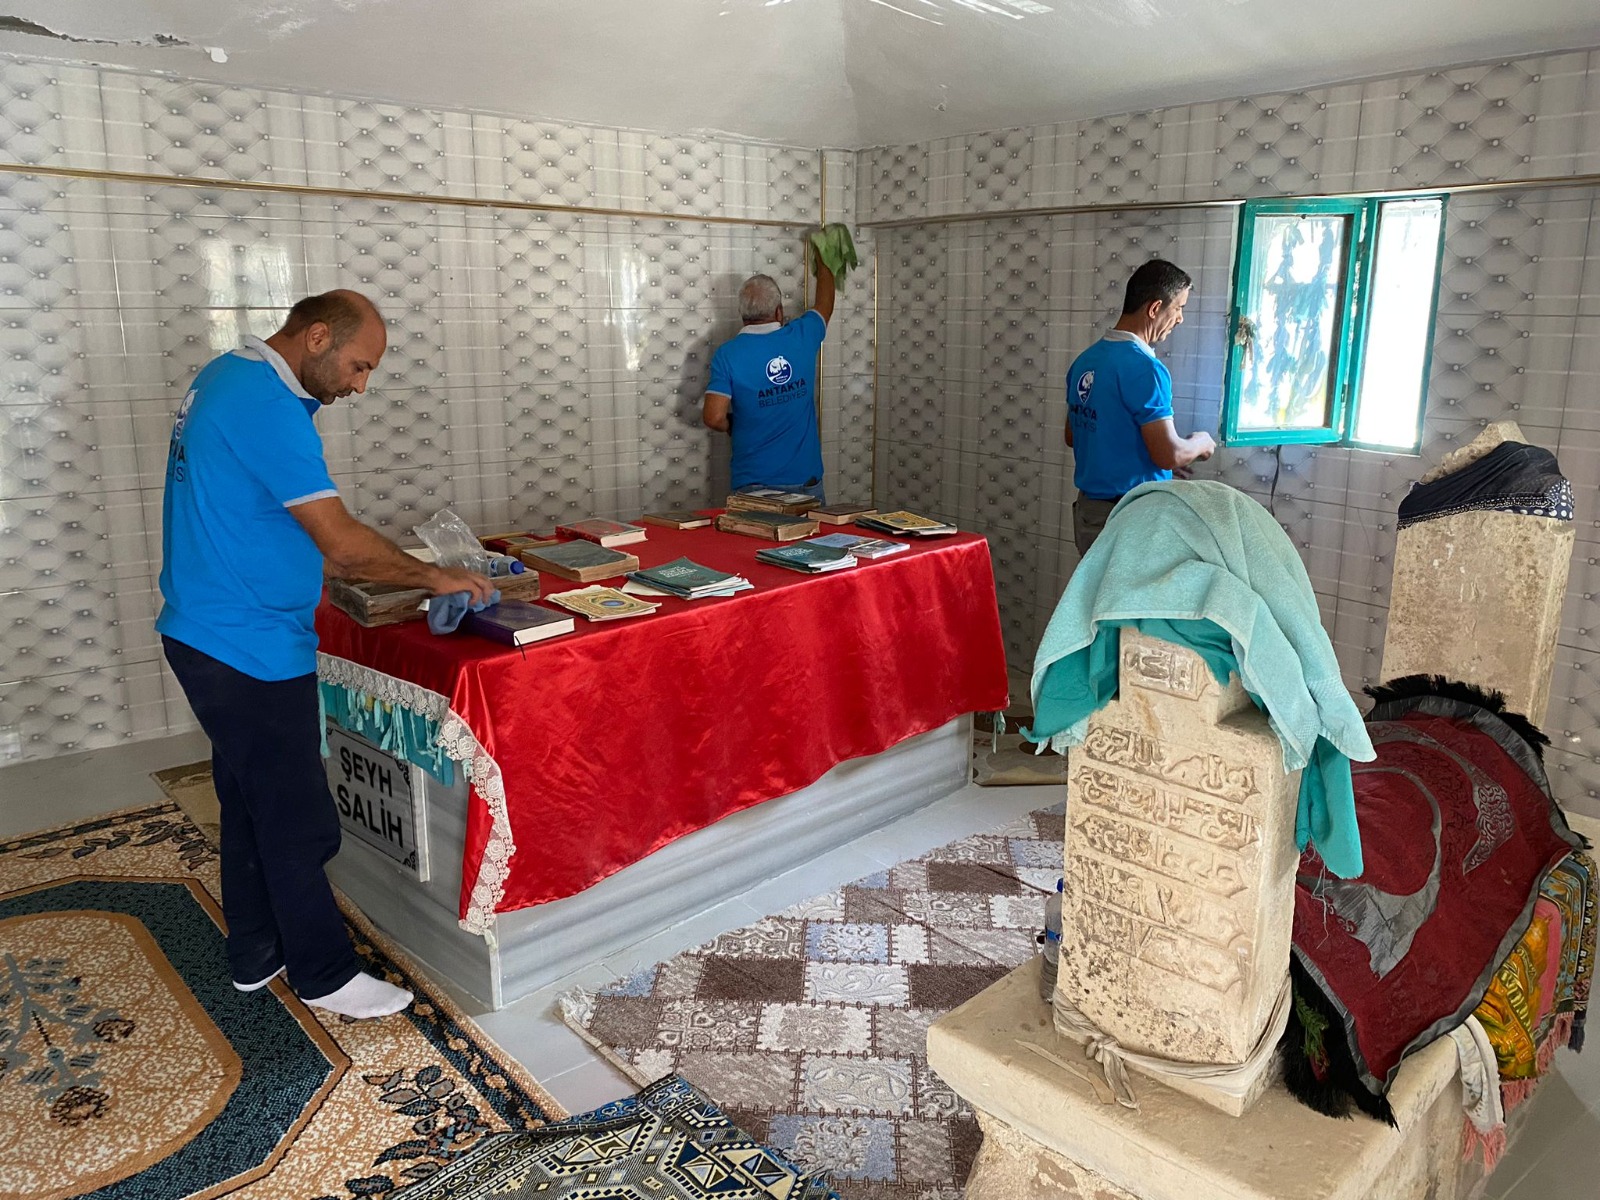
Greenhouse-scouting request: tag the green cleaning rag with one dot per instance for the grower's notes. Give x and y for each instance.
(834, 246)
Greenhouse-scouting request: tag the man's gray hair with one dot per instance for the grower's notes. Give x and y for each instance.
(760, 298)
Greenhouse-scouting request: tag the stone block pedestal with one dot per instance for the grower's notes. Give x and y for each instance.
(1051, 1133)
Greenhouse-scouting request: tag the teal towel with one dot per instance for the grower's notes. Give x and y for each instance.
(834, 246)
(1196, 552)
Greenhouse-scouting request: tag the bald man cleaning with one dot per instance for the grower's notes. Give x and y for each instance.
(251, 521)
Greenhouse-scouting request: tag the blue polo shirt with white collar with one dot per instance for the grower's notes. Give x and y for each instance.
(769, 373)
(240, 577)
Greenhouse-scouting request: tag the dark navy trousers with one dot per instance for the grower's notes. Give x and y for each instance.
(279, 826)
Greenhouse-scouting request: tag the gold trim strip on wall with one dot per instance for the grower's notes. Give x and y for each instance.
(1066, 210)
(305, 189)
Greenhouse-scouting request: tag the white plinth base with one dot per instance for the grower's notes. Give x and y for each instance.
(536, 946)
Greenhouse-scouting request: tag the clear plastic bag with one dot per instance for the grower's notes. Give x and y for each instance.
(452, 541)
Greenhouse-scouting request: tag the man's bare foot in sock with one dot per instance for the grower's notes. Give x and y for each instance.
(363, 996)
(259, 984)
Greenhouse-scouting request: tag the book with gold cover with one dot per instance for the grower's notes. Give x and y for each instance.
(601, 603)
(906, 524)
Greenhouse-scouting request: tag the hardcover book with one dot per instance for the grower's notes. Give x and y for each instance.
(771, 500)
(601, 603)
(517, 623)
(777, 527)
(677, 519)
(840, 514)
(580, 561)
(603, 532)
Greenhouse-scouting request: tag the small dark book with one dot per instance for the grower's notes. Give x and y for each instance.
(840, 514)
(516, 623)
(603, 532)
(677, 519)
(580, 561)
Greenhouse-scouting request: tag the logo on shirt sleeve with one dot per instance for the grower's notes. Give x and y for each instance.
(779, 370)
(1085, 385)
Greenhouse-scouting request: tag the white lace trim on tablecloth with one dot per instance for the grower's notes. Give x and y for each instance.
(462, 746)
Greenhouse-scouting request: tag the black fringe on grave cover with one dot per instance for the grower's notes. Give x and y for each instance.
(1410, 687)
(1337, 1089)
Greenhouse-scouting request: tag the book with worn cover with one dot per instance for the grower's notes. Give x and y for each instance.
(603, 532)
(840, 514)
(601, 603)
(771, 500)
(580, 561)
(906, 523)
(678, 518)
(807, 557)
(683, 575)
(774, 526)
(861, 547)
(517, 623)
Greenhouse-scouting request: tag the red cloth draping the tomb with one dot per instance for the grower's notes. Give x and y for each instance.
(621, 737)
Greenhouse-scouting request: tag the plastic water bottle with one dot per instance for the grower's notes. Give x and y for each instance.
(1051, 937)
(501, 565)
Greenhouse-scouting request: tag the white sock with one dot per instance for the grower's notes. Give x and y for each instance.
(364, 996)
(251, 987)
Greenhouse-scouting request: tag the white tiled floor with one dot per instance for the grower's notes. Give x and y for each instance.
(1558, 1157)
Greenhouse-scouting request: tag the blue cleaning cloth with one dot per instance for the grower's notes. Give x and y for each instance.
(1203, 565)
(445, 612)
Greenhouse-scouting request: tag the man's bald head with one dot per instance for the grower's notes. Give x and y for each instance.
(332, 342)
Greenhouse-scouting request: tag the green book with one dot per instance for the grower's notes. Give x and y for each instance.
(682, 575)
(807, 557)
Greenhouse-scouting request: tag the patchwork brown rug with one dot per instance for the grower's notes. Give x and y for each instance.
(809, 1027)
(130, 1066)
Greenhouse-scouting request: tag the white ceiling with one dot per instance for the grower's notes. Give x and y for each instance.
(843, 73)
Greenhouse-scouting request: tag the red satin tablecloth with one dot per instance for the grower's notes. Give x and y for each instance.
(619, 738)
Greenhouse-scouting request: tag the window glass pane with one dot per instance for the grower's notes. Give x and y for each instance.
(1292, 304)
(1404, 283)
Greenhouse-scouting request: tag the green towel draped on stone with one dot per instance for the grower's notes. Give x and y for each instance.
(1203, 565)
(833, 245)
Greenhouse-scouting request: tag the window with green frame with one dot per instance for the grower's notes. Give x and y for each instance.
(1332, 321)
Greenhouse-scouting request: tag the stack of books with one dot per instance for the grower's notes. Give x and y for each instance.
(603, 532)
(807, 557)
(840, 514)
(516, 623)
(688, 580)
(678, 518)
(771, 500)
(580, 561)
(906, 524)
(860, 547)
(774, 526)
(602, 603)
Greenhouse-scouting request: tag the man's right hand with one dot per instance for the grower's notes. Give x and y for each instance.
(1206, 443)
(458, 579)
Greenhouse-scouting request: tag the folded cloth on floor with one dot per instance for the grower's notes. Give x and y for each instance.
(833, 245)
(1175, 558)
(1513, 477)
(446, 612)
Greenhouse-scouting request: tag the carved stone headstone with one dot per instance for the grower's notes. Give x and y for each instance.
(1477, 596)
(1179, 863)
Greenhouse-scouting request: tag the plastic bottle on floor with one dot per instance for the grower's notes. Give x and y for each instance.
(1051, 937)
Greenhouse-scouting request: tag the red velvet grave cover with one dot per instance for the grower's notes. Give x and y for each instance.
(622, 737)
(1457, 836)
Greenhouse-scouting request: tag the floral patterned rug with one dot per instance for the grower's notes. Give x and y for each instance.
(809, 1028)
(131, 1067)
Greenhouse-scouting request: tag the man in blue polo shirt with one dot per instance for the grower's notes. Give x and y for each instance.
(1119, 403)
(763, 389)
(250, 522)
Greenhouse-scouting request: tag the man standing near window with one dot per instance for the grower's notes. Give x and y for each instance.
(251, 521)
(1119, 403)
(763, 389)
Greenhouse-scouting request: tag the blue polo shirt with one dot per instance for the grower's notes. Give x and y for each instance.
(240, 577)
(769, 373)
(1114, 388)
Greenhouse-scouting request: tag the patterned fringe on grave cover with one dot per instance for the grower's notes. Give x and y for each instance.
(461, 745)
